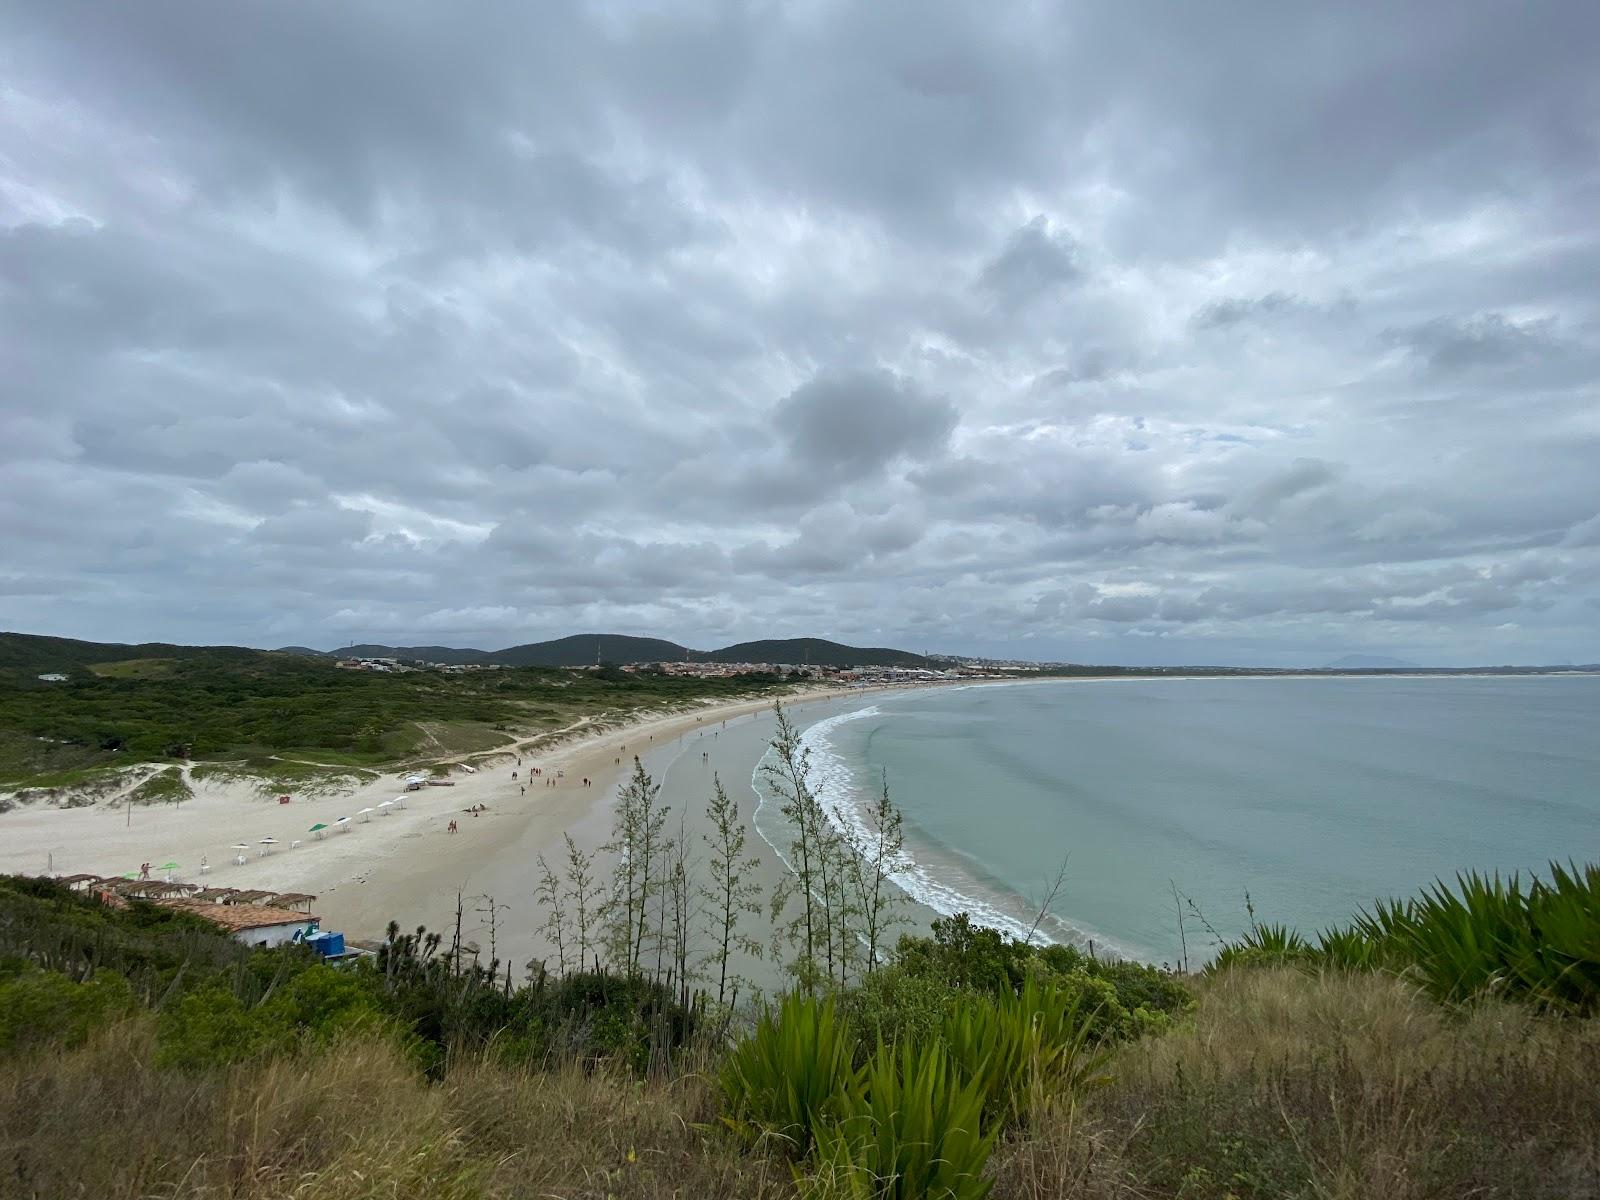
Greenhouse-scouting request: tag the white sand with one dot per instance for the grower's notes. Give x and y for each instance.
(403, 865)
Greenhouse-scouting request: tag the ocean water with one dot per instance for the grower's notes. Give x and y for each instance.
(1312, 795)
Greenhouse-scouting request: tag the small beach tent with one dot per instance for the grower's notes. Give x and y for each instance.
(319, 829)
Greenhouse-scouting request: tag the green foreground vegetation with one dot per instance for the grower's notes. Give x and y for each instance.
(255, 710)
(142, 1053)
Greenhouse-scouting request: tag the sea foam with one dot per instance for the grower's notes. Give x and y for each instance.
(846, 807)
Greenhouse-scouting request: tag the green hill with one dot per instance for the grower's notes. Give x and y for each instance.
(586, 649)
(816, 652)
(27, 655)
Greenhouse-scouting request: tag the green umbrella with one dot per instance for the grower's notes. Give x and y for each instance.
(167, 867)
(317, 826)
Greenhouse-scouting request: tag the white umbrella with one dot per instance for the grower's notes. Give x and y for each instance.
(267, 844)
(364, 814)
(241, 847)
(384, 806)
(343, 823)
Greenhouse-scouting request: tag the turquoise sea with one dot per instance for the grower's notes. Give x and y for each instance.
(1312, 795)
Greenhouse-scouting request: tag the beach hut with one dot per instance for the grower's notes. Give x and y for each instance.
(320, 829)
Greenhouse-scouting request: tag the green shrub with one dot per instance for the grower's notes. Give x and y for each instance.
(211, 1028)
(46, 1008)
(912, 1129)
(895, 1004)
(787, 1078)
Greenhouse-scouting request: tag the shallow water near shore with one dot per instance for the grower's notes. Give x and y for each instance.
(1313, 795)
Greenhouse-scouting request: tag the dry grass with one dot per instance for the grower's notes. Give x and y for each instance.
(1282, 1085)
(357, 1122)
(1335, 1088)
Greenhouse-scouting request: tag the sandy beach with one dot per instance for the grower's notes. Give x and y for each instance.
(405, 866)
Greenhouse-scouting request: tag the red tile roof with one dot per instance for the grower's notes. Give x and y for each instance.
(235, 917)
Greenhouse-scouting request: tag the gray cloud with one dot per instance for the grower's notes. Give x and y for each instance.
(903, 321)
(848, 424)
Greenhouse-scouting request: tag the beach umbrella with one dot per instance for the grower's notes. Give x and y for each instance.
(318, 829)
(384, 806)
(168, 866)
(343, 823)
(365, 814)
(241, 847)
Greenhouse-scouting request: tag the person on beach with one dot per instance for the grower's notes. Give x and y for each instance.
(451, 828)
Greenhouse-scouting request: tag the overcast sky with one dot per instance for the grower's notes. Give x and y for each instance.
(1254, 333)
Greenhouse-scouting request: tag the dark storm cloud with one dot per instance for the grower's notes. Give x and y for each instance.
(1190, 333)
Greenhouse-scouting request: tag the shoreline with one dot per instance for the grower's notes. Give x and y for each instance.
(402, 866)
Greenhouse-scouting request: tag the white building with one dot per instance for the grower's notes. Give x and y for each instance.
(252, 924)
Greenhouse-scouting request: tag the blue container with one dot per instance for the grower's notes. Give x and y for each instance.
(331, 945)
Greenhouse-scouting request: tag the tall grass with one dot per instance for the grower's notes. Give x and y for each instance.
(1337, 1086)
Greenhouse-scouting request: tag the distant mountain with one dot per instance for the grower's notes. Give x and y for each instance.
(433, 654)
(586, 649)
(1370, 662)
(816, 652)
(29, 653)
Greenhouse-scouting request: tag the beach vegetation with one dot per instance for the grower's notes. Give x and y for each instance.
(235, 706)
(585, 894)
(166, 786)
(732, 891)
